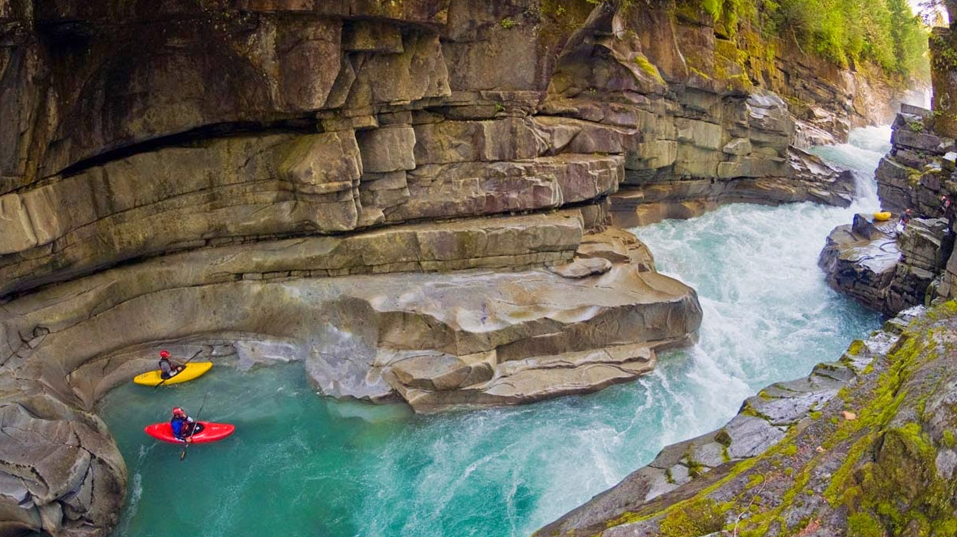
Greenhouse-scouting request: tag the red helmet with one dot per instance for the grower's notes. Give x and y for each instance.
(164, 354)
(177, 411)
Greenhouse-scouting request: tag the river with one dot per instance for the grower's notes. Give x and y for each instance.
(303, 465)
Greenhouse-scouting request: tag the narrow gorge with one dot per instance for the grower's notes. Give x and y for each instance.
(432, 212)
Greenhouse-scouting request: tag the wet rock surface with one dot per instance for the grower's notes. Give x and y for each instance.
(823, 453)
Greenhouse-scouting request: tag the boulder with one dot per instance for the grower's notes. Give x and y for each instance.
(861, 265)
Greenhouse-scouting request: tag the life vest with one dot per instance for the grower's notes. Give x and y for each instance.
(180, 427)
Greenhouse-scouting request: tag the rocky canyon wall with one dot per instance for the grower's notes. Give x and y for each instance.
(891, 267)
(413, 198)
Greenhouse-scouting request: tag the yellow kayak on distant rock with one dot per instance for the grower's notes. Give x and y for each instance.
(191, 371)
(882, 216)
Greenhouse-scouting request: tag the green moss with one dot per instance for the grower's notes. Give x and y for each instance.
(887, 481)
(862, 525)
(695, 468)
(949, 440)
(698, 518)
(560, 18)
(740, 82)
(507, 23)
(855, 348)
(713, 7)
(649, 68)
(840, 480)
(699, 73)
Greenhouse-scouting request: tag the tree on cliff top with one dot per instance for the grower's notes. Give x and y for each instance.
(885, 32)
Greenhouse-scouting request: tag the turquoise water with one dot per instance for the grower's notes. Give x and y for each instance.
(302, 465)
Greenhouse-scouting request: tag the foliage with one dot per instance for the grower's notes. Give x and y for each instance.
(699, 518)
(885, 32)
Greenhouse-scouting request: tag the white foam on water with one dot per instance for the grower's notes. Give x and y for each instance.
(862, 153)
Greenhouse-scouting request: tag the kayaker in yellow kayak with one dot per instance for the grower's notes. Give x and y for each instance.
(167, 368)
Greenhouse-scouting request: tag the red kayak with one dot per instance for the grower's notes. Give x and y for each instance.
(212, 432)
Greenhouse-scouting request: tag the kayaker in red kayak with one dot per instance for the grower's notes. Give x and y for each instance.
(184, 427)
(167, 369)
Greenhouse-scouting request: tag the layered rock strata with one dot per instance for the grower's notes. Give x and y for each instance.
(862, 446)
(882, 268)
(438, 340)
(918, 169)
(705, 128)
(112, 157)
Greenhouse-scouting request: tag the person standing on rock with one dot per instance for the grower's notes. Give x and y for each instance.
(905, 218)
(949, 208)
(950, 214)
(183, 426)
(167, 369)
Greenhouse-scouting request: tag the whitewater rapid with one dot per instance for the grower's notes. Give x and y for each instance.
(303, 465)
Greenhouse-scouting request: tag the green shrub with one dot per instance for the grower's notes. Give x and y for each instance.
(885, 32)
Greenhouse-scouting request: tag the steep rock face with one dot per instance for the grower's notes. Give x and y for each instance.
(917, 171)
(706, 131)
(860, 447)
(111, 106)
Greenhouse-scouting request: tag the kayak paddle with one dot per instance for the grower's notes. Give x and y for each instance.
(195, 423)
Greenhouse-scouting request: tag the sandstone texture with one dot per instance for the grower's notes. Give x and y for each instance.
(861, 446)
(413, 198)
(441, 316)
(467, 338)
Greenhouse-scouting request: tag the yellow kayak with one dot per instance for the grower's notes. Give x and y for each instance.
(193, 370)
(882, 217)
